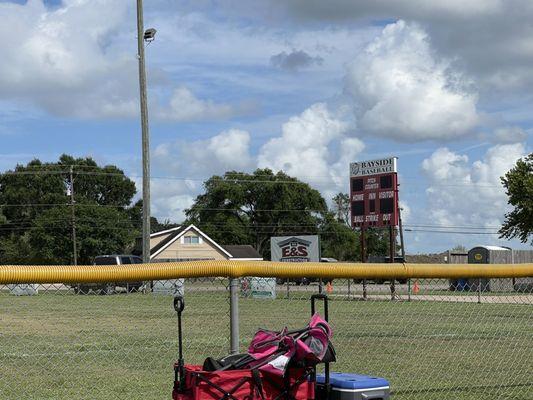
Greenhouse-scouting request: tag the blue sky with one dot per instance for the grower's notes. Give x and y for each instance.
(303, 86)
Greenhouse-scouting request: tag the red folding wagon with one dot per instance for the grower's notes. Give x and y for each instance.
(279, 365)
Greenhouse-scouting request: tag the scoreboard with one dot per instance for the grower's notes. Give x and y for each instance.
(374, 193)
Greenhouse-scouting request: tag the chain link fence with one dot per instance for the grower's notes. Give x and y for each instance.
(432, 339)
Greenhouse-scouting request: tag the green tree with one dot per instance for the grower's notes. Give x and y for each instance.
(377, 240)
(241, 208)
(135, 213)
(29, 190)
(338, 241)
(518, 183)
(341, 208)
(106, 186)
(99, 230)
(38, 220)
(15, 249)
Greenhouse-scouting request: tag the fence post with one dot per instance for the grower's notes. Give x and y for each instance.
(234, 315)
(479, 283)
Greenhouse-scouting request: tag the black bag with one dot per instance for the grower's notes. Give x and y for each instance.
(227, 363)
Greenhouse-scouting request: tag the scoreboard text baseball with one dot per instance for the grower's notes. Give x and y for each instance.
(374, 197)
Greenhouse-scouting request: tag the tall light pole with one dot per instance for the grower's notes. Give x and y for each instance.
(141, 37)
(73, 215)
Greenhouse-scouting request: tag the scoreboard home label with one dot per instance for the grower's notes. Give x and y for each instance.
(374, 193)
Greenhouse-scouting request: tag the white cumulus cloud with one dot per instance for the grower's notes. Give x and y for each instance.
(70, 61)
(190, 163)
(464, 193)
(185, 106)
(67, 60)
(402, 91)
(509, 134)
(302, 149)
(314, 147)
(228, 150)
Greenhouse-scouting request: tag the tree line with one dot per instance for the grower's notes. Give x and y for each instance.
(37, 214)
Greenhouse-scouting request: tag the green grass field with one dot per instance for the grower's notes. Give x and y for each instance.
(63, 346)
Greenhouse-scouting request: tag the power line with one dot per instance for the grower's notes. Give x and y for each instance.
(67, 204)
(232, 180)
(452, 232)
(451, 226)
(258, 227)
(60, 165)
(324, 177)
(115, 228)
(284, 210)
(415, 225)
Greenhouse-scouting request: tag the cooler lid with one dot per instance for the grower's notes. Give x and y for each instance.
(353, 381)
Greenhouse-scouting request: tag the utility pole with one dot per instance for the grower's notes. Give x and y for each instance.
(339, 209)
(145, 135)
(73, 214)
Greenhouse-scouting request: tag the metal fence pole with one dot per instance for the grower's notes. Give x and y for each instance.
(479, 291)
(234, 315)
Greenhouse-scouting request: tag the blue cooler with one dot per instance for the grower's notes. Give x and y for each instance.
(356, 387)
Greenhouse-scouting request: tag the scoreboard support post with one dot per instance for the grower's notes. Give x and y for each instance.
(363, 258)
(402, 247)
(392, 256)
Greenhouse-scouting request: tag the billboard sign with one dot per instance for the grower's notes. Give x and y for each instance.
(374, 193)
(295, 248)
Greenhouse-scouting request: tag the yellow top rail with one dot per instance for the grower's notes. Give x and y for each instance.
(235, 269)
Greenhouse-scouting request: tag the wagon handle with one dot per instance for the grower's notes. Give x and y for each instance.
(322, 296)
(179, 370)
(179, 304)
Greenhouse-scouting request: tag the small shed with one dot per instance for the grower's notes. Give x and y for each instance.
(488, 255)
(493, 255)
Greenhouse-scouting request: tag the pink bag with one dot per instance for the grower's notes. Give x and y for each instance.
(273, 350)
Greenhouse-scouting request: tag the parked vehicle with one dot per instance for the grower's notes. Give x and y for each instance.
(382, 260)
(110, 287)
(306, 281)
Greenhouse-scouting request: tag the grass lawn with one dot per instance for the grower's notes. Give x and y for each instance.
(64, 346)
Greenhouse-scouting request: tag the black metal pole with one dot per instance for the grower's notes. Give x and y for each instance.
(363, 258)
(402, 245)
(392, 252)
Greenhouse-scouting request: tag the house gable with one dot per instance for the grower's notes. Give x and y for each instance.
(176, 246)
